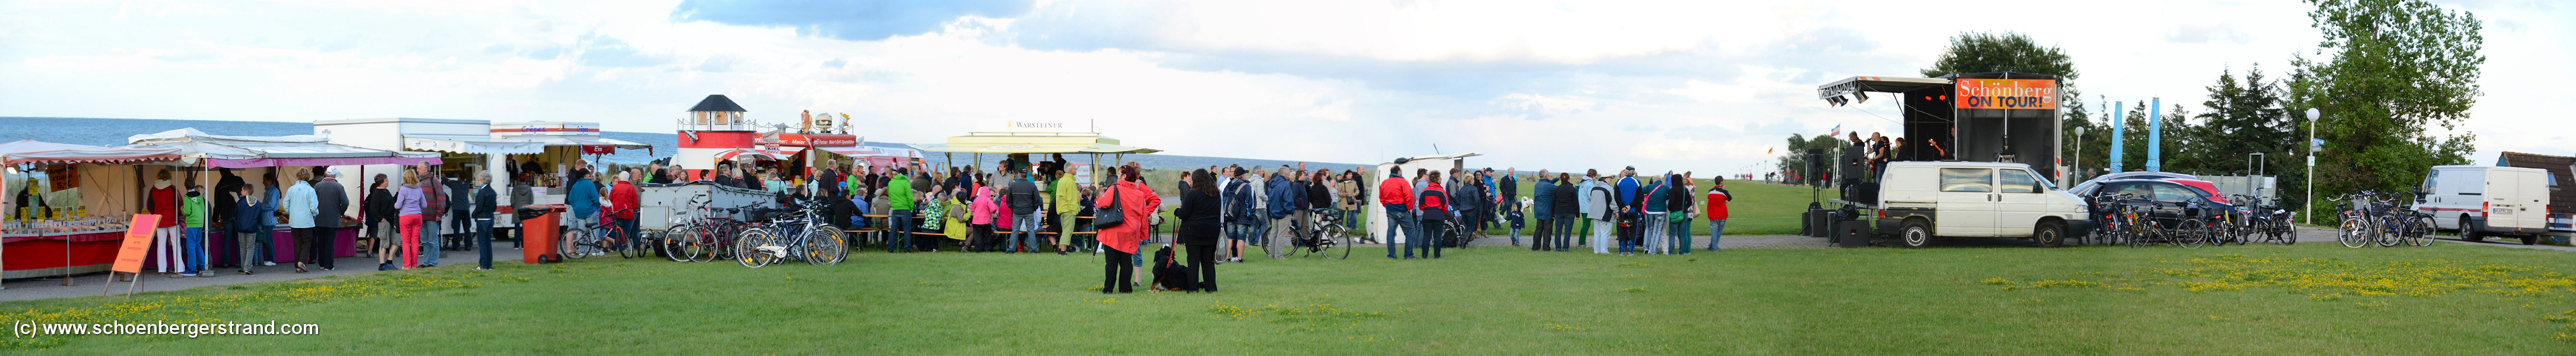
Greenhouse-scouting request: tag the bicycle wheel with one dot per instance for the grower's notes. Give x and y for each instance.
(2355, 233)
(1337, 237)
(619, 239)
(572, 243)
(699, 243)
(823, 247)
(746, 248)
(2191, 233)
(2287, 234)
(673, 243)
(2421, 232)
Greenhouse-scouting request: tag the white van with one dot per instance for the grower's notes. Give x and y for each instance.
(1921, 201)
(2484, 201)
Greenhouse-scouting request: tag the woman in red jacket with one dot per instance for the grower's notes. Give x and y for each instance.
(1136, 203)
(1434, 204)
(165, 233)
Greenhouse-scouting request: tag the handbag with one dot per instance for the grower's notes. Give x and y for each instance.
(1112, 215)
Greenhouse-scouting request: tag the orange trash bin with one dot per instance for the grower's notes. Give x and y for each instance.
(540, 233)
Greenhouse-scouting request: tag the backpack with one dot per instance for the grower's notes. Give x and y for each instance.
(1171, 274)
(1239, 194)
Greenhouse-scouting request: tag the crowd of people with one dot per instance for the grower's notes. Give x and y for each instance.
(1639, 215)
(1223, 212)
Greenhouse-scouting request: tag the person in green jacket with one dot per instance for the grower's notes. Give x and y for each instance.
(899, 191)
(192, 211)
(1068, 203)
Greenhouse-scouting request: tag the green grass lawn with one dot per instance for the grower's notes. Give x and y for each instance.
(2311, 298)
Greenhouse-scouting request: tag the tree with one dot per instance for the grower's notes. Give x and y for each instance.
(1982, 52)
(2094, 141)
(1985, 52)
(1795, 160)
(2246, 117)
(2395, 67)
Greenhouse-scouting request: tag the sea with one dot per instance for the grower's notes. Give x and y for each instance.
(113, 132)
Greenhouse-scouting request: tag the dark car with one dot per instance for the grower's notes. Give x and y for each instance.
(2163, 199)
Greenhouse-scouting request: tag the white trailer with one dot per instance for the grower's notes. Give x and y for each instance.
(1377, 212)
(665, 205)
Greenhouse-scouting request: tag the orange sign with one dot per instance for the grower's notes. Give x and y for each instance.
(2007, 94)
(138, 238)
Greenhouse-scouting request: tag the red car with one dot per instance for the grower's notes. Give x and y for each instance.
(2208, 190)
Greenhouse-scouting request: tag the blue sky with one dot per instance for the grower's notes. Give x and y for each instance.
(1664, 85)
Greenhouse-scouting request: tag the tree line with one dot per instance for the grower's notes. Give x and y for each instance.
(2384, 73)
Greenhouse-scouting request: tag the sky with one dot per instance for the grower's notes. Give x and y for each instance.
(1701, 86)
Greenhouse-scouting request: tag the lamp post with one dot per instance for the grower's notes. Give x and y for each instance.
(2078, 165)
(2254, 182)
(2312, 168)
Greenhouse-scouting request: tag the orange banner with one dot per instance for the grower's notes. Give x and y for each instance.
(2007, 94)
(138, 238)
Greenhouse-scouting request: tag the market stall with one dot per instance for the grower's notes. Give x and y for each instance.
(257, 158)
(1023, 139)
(50, 237)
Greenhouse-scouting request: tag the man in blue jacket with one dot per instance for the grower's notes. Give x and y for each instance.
(1284, 198)
(1542, 196)
(583, 197)
(1629, 211)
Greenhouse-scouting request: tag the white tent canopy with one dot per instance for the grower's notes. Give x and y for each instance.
(223, 151)
(32, 151)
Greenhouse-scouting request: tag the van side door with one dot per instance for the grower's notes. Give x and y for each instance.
(2020, 202)
(1965, 206)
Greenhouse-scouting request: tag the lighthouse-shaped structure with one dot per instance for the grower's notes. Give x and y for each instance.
(714, 129)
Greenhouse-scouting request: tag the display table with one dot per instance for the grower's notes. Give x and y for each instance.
(27, 256)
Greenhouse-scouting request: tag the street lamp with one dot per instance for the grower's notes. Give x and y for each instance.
(2312, 168)
(2078, 165)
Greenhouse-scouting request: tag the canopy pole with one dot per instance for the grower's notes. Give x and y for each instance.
(203, 244)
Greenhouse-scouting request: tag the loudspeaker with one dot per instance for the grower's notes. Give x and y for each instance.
(1817, 168)
(1823, 220)
(1851, 234)
(1853, 163)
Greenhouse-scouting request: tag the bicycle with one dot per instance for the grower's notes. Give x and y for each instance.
(711, 236)
(1325, 235)
(2413, 228)
(807, 238)
(2272, 221)
(2359, 228)
(599, 236)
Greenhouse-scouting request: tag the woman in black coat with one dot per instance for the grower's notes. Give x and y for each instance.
(1199, 226)
(380, 215)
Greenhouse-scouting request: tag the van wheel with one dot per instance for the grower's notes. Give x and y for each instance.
(2049, 234)
(2531, 239)
(2471, 232)
(1916, 234)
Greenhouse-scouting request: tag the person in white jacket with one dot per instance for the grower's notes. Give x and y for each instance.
(299, 204)
(1595, 197)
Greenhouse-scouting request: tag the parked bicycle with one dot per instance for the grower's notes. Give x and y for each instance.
(1327, 234)
(596, 237)
(709, 236)
(804, 237)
